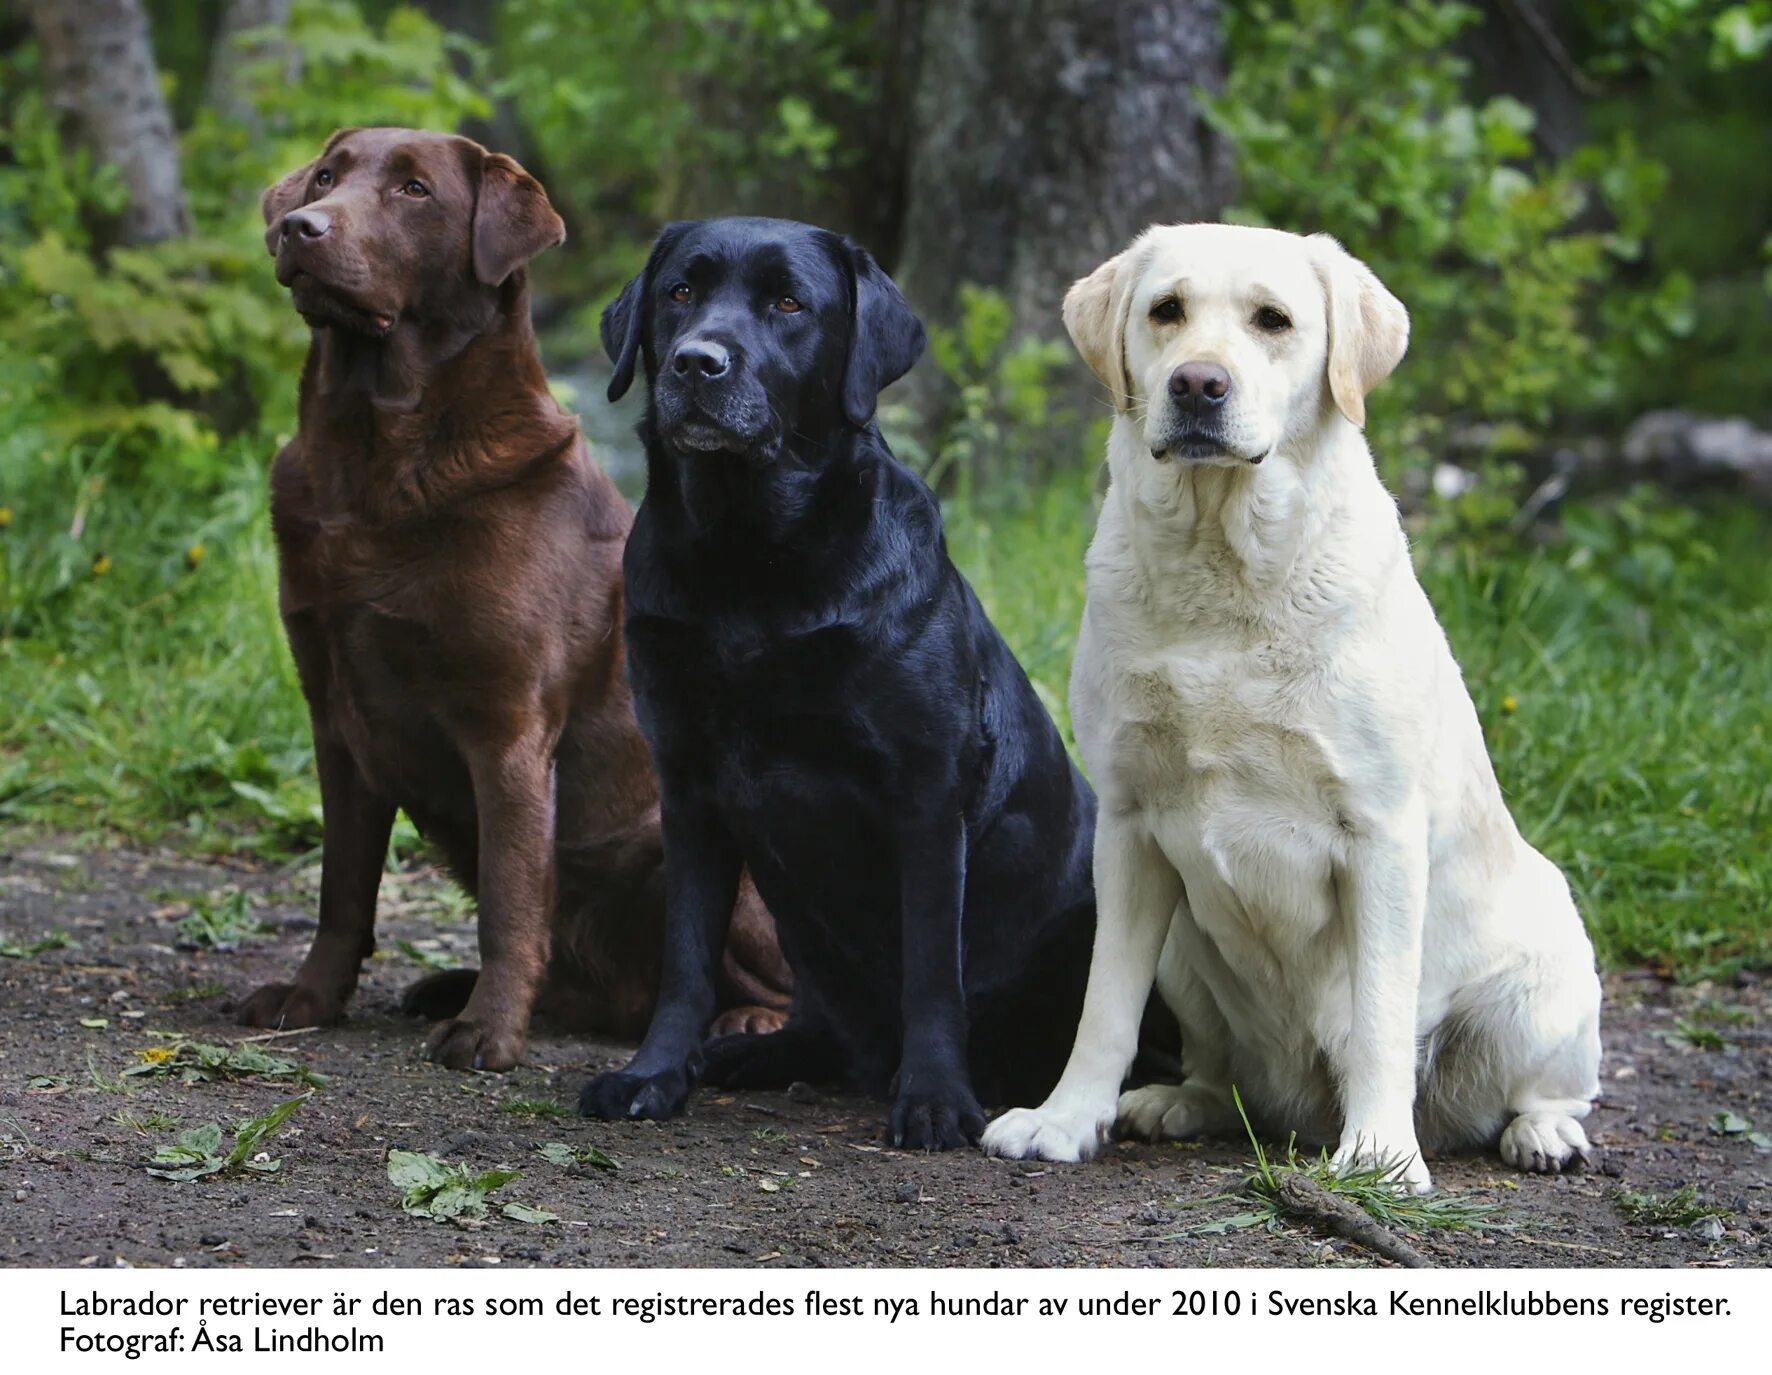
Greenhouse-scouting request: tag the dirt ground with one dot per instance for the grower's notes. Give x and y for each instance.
(752, 1179)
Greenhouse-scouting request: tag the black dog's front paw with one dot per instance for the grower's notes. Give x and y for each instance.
(616, 1097)
(943, 1117)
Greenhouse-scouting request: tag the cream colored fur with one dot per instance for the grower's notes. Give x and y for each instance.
(1301, 839)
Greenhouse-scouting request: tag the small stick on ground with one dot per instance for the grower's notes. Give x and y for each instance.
(1302, 1199)
(277, 1035)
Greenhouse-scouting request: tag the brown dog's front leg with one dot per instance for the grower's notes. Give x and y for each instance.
(514, 799)
(356, 824)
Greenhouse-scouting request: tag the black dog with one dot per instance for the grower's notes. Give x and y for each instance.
(827, 703)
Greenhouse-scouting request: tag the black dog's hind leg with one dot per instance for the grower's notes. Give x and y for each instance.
(439, 996)
(701, 885)
(934, 1107)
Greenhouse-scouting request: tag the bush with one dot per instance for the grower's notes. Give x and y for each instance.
(1518, 272)
(152, 352)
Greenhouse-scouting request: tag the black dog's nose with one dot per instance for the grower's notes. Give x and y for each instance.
(1200, 386)
(712, 359)
(310, 224)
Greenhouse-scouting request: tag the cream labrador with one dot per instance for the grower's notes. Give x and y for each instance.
(1301, 838)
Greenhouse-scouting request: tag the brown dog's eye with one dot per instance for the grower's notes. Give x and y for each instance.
(1166, 311)
(416, 189)
(680, 292)
(787, 305)
(323, 177)
(1273, 321)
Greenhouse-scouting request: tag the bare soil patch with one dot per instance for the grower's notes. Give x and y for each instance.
(745, 1179)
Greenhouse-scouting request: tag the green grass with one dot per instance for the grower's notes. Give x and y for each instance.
(1622, 672)
(144, 682)
(1681, 1208)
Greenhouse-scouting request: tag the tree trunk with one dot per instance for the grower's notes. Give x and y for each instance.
(1520, 49)
(100, 80)
(230, 53)
(1044, 135)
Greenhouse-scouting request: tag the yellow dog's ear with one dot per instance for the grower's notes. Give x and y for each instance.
(1095, 315)
(1368, 327)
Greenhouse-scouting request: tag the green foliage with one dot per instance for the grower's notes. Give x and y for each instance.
(568, 1157)
(998, 430)
(1655, 35)
(219, 921)
(666, 108)
(436, 1189)
(1354, 119)
(1681, 1208)
(198, 1152)
(199, 1062)
(143, 674)
(150, 352)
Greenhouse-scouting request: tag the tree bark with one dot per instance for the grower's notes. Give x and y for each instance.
(1045, 134)
(230, 53)
(100, 80)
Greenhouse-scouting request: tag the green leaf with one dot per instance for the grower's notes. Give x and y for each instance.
(559, 1153)
(522, 1212)
(436, 1189)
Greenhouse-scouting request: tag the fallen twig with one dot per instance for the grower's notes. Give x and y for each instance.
(1304, 1200)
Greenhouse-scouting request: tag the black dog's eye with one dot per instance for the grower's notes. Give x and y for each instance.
(1273, 321)
(416, 189)
(1166, 311)
(787, 305)
(680, 292)
(323, 177)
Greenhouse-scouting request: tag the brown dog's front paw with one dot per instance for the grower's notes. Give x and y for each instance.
(279, 1007)
(462, 1043)
(750, 1020)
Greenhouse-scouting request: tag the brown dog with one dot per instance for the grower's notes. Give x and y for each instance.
(450, 564)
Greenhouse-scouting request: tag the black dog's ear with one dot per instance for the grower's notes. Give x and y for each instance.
(887, 337)
(624, 318)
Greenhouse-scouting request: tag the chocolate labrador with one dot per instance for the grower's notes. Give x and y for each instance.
(828, 704)
(451, 587)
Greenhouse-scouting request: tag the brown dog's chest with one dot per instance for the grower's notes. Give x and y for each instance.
(389, 689)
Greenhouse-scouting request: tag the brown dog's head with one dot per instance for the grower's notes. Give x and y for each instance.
(392, 224)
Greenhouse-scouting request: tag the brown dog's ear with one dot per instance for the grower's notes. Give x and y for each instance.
(1368, 327)
(513, 220)
(1095, 316)
(282, 197)
(279, 199)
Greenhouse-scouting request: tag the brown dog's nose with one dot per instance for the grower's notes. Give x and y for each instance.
(309, 223)
(703, 356)
(1200, 387)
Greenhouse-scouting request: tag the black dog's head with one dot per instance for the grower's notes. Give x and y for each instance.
(755, 331)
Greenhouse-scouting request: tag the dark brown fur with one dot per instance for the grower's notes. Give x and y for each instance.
(451, 585)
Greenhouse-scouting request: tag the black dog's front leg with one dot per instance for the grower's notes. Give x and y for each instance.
(702, 864)
(934, 1108)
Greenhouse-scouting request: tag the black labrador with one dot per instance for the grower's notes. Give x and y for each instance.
(827, 703)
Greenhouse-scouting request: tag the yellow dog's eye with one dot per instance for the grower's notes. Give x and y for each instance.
(680, 292)
(1166, 311)
(1273, 321)
(787, 305)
